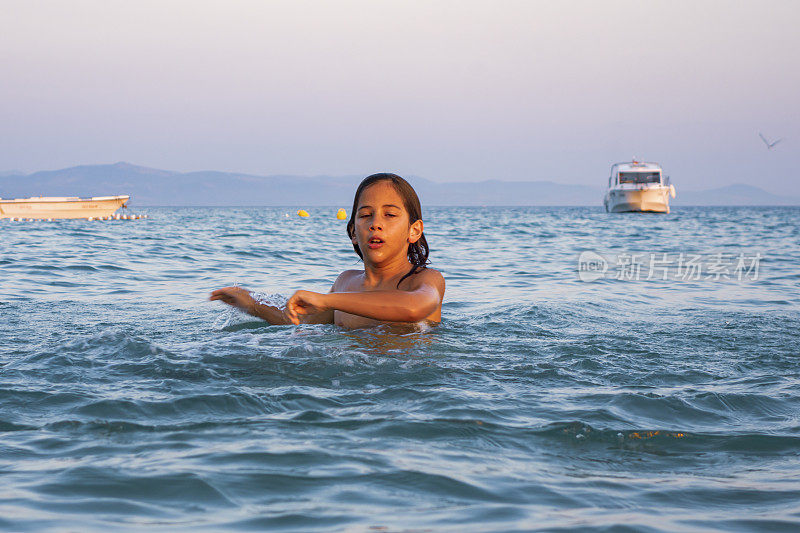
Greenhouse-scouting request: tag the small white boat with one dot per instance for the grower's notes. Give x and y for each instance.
(44, 207)
(637, 186)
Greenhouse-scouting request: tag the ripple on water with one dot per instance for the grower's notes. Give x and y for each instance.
(127, 400)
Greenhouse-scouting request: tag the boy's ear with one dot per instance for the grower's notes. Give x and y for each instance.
(415, 232)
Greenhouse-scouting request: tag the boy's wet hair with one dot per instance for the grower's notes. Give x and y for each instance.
(417, 251)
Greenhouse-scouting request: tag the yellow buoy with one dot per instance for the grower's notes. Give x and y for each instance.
(302, 213)
(341, 214)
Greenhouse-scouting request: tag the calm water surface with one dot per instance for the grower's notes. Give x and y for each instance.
(128, 401)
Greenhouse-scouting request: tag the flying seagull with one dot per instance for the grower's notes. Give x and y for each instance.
(769, 144)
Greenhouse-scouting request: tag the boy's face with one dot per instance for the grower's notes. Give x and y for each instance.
(382, 228)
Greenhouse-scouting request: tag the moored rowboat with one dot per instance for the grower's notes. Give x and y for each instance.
(61, 207)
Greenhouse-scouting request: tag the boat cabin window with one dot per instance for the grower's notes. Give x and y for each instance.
(640, 177)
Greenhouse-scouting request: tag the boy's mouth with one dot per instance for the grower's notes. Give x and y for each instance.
(375, 242)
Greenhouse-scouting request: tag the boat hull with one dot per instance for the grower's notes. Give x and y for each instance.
(44, 207)
(652, 200)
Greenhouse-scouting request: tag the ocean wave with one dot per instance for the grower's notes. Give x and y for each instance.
(129, 401)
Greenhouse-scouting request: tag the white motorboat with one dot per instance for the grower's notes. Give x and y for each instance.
(637, 186)
(44, 207)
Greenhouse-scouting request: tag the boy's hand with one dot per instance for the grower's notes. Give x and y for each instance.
(304, 303)
(237, 297)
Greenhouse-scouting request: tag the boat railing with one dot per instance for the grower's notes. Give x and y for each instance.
(641, 164)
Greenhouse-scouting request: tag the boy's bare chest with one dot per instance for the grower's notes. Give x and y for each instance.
(347, 320)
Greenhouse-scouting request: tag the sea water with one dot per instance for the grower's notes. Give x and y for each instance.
(592, 371)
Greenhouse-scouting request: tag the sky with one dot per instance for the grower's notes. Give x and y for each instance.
(446, 90)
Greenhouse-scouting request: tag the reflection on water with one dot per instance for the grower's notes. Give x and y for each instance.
(394, 340)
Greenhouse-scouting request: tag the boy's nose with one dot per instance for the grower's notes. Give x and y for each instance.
(375, 225)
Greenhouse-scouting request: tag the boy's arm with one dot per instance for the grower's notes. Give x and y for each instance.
(419, 302)
(276, 316)
(270, 313)
(241, 299)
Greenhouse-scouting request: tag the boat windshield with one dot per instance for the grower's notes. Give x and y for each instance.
(640, 177)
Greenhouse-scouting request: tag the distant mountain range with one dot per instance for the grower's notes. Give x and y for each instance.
(150, 186)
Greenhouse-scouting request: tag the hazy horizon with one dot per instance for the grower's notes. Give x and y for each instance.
(447, 91)
(91, 169)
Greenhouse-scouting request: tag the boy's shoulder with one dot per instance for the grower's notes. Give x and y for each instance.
(428, 276)
(430, 273)
(345, 277)
(347, 274)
